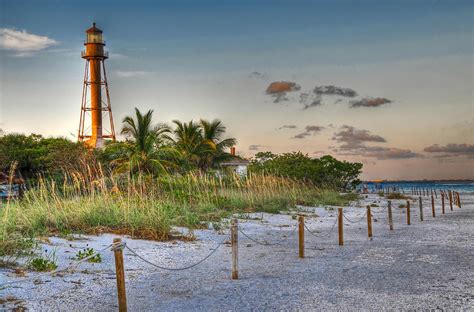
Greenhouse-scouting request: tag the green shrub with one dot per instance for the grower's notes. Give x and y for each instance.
(42, 264)
(88, 252)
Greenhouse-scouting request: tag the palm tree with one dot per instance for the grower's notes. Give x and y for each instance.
(144, 149)
(201, 144)
(212, 134)
(187, 138)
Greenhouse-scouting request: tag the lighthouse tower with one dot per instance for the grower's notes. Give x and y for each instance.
(93, 107)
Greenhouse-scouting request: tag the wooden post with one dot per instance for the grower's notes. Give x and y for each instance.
(234, 239)
(408, 212)
(433, 207)
(459, 201)
(390, 220)
(301, 236)
(120, 274)
(421, 208)
(369, 222)
(340, 225)
(442, 204)
(450, 200)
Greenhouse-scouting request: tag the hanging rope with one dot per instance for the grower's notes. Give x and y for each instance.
(326, 234)
(176, 269)
(355, 221)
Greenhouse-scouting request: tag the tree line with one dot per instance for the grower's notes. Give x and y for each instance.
(161, 149)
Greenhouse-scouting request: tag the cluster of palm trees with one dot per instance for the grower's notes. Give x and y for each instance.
(158, 149)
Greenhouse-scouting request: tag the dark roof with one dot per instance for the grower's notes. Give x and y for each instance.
(93, 29)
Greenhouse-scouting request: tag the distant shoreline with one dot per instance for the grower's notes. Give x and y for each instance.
(418, 181)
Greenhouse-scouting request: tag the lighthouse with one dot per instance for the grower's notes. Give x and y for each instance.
(95, 105)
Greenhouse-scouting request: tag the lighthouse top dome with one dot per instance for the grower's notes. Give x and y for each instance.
(93, 29)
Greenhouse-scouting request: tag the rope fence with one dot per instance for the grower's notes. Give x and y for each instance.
(118, 245)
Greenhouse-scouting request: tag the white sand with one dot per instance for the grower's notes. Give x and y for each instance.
(428, 265)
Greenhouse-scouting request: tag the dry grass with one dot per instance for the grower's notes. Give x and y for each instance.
(145, 206)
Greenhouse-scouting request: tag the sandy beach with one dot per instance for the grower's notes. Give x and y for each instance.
(425, 265)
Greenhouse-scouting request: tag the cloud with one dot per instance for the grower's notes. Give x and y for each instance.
(354, 144)
(316, 101)
(255, 147)
(279, 89)
(451, 150)
(334, 90)
(280, 97)
(314, 98)
(309, 130)
(257, 75)
(379, 152)
(129, 74)
(370, 102)
(353, 138)
(288, 127)
(22, 42)
(389, 153)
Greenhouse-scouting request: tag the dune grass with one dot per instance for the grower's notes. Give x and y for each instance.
(148, 207)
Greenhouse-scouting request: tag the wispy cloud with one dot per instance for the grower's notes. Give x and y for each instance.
(315, 98)
(309, 130)
(315, 101)
(354, 143)
(370, 102)
(255, 147)
(22, 42)
(353, 138)
(334, 90)
(257, 75)
(287, 127)
(451, 150)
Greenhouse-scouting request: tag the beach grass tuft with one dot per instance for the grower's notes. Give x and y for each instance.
(148, 207)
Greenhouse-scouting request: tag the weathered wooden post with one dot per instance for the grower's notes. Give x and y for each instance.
(433, 207)
(390, 220)
(340, 226)
(450, 200)
(421, 208)
(442, 204)
(234, 240)
(120, 274)
(408, 212)
(301, 236)
(459, 200)
(369, 222)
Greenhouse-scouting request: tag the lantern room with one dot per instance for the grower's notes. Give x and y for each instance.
(94, 35)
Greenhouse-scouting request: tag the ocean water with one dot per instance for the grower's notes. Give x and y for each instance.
(466, 187)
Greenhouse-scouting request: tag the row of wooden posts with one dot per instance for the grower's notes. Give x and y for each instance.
(432, 192)
(118, 254)
(369, 219)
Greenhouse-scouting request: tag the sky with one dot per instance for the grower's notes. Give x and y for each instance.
(385, 83)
